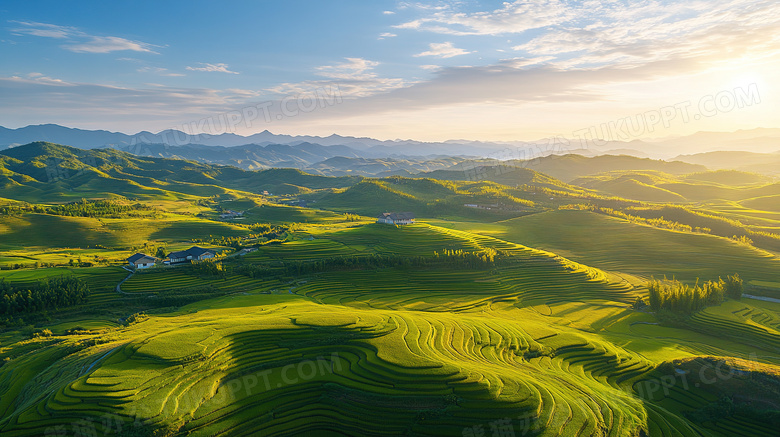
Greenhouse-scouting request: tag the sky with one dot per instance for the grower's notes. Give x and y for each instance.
(431, 71)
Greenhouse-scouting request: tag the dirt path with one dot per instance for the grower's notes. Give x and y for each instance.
(119, 285)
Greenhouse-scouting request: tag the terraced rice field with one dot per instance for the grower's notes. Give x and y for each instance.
(176, 279)
(436, 374)
(748, 323)
(101, 280)
(539, 345)
(616, 245)
(303, 250)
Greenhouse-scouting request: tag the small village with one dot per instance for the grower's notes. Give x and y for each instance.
(196, 253)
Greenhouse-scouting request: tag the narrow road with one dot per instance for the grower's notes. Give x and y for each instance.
(97, 361)
(766, 299)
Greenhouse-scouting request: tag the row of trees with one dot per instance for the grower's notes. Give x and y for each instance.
(575, 192)
(82, 208)
(51, 294)
(485, 259)
(658, 222)
(265, 231)
(674, 296)
(80, 262)
(718, 225)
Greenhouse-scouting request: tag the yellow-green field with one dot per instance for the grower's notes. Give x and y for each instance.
(548, 343)
(526, 319)
(617, 245)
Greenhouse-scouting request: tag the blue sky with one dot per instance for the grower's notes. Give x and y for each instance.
(427, 70)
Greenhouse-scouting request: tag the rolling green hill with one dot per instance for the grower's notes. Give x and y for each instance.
(638, 249)
(428, 197)
(697, 187)
(509, 308)
(645, 186)
(45, 172)
(570, 167)
(730, 177)
(539, 342)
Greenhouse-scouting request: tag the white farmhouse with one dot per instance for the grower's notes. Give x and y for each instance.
(141, 261)
(396, 218)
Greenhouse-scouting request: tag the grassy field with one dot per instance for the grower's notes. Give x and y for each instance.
(521, 320)
(634, 249)
(551, 344)
(41, 230)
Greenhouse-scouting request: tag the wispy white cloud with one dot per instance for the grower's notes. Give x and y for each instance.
(55, 99)
(428, 6)
(79, 41)
(239, 93)
(578, 35)
(388, 12)
(354, 78)
(497, 84)
(386, 35)
(108, 44)
(526, 62)
(219, 68)
(159, 71)
(353, 69)
(44, 30)
(41, 78)
(513, 17)
(443, 50)
(651, 31)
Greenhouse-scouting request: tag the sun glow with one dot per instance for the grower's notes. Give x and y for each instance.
(748, 79)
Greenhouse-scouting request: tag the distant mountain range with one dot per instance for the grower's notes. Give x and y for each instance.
(767, 163)
(337, 155)
(90, 139)
(333, 160)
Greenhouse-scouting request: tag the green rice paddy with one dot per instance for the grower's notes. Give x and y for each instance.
(547, 342)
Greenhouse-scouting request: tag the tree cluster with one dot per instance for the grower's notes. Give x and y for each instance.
(51, 294)
(658, 222)
(208, 269)
(676, 297)
(265, 231)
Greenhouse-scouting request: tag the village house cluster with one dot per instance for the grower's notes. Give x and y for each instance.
(195, 253)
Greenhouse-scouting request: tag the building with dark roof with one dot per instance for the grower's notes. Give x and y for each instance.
(396, 218)
(141, 261)
(194, 253)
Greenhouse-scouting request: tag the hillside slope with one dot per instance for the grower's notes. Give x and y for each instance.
(50, 172)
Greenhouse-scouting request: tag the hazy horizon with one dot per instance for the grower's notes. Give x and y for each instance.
(396, 139)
